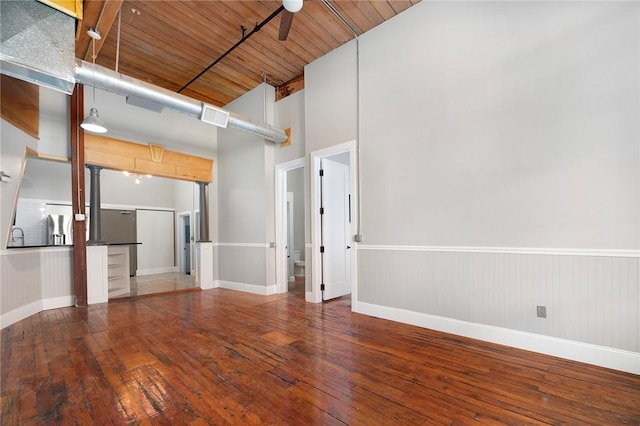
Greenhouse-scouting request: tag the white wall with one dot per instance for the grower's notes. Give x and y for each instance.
(330, 98)
(155, 229)
(118, 189)
(290, 115)
(499, 166)
(31, 280)
(12, 154)
(246, 199)
(518, 121)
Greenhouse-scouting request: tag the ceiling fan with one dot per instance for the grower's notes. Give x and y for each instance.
(290, 7)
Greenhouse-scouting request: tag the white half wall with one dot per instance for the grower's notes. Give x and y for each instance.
(33, 280)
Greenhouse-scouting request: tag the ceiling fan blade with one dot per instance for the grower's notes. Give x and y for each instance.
(285, 24)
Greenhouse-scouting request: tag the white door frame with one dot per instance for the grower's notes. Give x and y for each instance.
(289, 218)
(181, 239)
(315, 295)
(195, 230)
(282, 278)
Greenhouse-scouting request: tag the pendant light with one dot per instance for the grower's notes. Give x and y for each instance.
(93, 123)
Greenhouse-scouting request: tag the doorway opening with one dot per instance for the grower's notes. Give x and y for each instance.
(290, 228)
(185, 243)
(333, 216)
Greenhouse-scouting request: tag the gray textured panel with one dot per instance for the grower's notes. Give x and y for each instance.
(37, 44)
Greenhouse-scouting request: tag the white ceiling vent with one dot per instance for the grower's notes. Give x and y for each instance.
(216, 116)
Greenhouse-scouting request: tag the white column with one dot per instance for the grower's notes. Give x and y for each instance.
(97, 275)
(204, 265)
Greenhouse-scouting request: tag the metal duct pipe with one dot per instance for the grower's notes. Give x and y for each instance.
(118, 83)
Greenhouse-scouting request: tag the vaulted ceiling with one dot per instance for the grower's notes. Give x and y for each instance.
(173, 43)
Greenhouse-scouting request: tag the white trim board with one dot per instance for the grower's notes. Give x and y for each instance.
(577, 351)
(247, 288)
(33, 308)
(28, 250)
(255, 245)
(508, 250)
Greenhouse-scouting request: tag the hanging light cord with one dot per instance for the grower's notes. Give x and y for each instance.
(118, 42)
(93, 57)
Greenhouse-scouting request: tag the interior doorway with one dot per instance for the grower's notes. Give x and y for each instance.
(333, 215)
(290, 227)
(291, 255)
(186, 244)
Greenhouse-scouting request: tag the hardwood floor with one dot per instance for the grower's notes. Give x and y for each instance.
(160, 283)
(225, 357)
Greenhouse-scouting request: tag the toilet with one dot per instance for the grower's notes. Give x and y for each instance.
(298, 268)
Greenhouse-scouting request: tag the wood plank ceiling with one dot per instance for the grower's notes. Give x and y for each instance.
(168, 43)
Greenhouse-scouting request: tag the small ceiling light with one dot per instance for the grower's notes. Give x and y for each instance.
(94, 33)
(292, 6)
(93, 123)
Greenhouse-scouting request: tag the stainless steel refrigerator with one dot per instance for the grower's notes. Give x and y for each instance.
(59, 230)
(119, 226)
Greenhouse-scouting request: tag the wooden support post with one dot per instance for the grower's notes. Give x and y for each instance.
(78, 197)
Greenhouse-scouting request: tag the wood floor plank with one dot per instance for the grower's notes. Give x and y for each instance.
(224, 357)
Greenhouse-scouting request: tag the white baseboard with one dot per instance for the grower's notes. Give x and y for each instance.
(209, 285)
(20, 313)
(58, 302)
(33, 308)
(165, 270)
(248, 288)
(602, 356)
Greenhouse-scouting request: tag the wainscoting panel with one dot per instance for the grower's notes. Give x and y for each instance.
(32, 280)
(591, 299)
(56, 272)
(20, 274)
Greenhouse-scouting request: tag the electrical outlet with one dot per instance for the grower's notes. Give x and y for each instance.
(541, 311)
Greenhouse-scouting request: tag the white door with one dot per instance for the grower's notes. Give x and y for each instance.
(334, 194)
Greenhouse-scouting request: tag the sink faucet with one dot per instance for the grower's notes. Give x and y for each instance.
(19, 237)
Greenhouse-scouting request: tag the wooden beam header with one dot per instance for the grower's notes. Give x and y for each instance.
(150, 159)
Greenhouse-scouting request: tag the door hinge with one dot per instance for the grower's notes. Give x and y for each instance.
(321, 210)
(321, 172)
(321, 249)
(321, 287)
